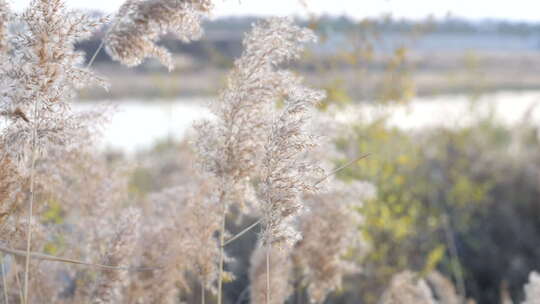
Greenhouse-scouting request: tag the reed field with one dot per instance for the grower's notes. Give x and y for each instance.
(297, 169)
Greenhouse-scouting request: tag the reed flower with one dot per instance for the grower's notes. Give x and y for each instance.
(196, 221)
(120, 250)
(140, 23)
(162, 244)
(280, 271)
(231, 147)
(180, 236)
(443, 289)
(406, 288)
(329, 231)
(532, 289)
(40, 78)
(11, 189)
(200, 221)
(4, 21)
(287, 173)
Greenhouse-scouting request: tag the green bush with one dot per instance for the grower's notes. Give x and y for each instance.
(473, 189)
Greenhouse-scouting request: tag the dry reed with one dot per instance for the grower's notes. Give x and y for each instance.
(140, 23)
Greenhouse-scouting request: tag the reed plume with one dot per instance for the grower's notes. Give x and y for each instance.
(443, 289)
(532, 289)
(407, 288)
(287, 174)
(120, 250)
(279, 276)
(5, 14)
(181, 224)
(201, 221)
(162, 243)
(140, 23)
(39, 81)
(330, 230)
(231, 147)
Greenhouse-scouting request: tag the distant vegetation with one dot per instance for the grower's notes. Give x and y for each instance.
(224, 35)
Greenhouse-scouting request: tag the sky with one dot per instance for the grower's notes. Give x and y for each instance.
(516, 10)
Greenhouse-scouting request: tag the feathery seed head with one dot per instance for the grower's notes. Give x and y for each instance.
(288, 173)
(329, 230)
(4, 18)
(406, 288)
(121, 249)
(532, 289)
(280, 271)
(232, 146)
(139, 24)
(40, 78)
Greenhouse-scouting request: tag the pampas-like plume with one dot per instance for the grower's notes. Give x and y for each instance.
(10, 189)
(200, 220)
(163, 243)
(329, 230)
(140, 23)
(40, 78)
(279, 276)
(287, 175)
(532, 289)
(231, 148)
(443, 289)
(4, 16)
(120, 249)
(180, 237)
(406, 288)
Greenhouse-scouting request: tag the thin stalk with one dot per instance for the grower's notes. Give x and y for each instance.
(450, 240)
(297, 287)
(46, 257)
(239, 234)
(341, 168)
(96, 53)
(101, 45)
(456, 267)
(4, 281)
(242, 295)
(268, 248)
(18, 280)
(221, 246)
(116, 19)
(202, 294)
(31, 203)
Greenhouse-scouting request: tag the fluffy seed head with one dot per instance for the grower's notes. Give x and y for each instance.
(39, 78)
(140, 23)
(4, 16)
(231, 147)
(330, 230)
(532, 289)
(280, 271)
(120, 250)
(407, 288)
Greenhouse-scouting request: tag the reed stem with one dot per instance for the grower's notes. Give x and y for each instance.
(31, 203)
(221, 246)
(4, 281)
(268, 248)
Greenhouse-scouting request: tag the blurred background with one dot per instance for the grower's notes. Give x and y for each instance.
(443, 94)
